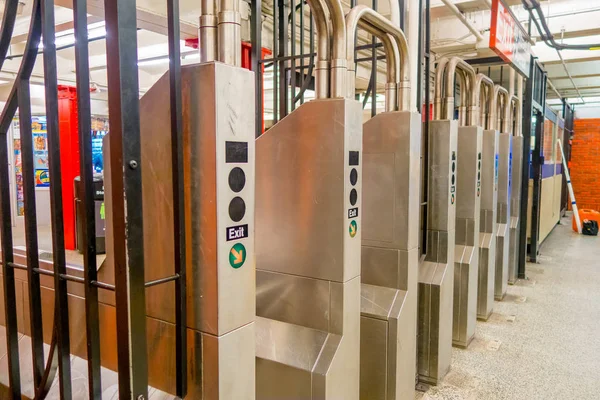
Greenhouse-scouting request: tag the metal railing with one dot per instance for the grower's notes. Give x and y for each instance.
(129, 288)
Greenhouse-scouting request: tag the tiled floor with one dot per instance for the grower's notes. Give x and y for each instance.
(543, 340)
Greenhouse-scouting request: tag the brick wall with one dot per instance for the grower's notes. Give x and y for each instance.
(585, 163)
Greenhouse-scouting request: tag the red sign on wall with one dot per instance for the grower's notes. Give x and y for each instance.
(508, 38)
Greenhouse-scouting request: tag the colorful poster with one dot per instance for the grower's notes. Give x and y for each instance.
(42, 178)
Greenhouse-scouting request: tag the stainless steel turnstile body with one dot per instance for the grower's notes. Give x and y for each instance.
(308, 246)
(218, 131)
(436, 272)
(466, 256)
(488, 224)
(390, 255)
(515, 207)
(503, 216)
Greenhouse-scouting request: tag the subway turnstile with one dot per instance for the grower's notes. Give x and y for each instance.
(504, 198)
(308, 235)
(436, 272)
(390, 255)
(515, 195)
(218, 114)
(489, 200)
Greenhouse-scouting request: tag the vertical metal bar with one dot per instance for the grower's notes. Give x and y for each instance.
(293, 54)
(528, 115)
(427, 121)
(178, 197)
(374, 69)
(275, 89)
(537, 171)
(124, 111)
(61, 299)
(304, 76)
(420, 57)
(88, 216)
(282, 52)
(8, 274)
(31, 239)
(257, 67)
(311, 46)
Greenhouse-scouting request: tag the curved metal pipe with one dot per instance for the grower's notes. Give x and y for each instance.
(494, 117)
(323, 34)
(465, 90)
(230, 39)
(8, 24)
(338, 48)
(439, 87)
(458, 63)
(478, 117)
(384, 24)
(517, 115)
(354, 19)
(207, 32)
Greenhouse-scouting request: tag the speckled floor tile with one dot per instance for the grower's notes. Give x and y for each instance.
(552, 348)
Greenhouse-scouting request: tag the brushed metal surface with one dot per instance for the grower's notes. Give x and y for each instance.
(308, 253)
(389, 264)
(503, 214)
(436, 272)
(487, 228)
(466, 257)
(303, 192)
(515, 208)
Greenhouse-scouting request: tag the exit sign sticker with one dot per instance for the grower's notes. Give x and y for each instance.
(237, 232)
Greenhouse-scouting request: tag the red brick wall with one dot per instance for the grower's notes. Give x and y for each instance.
(585, 163)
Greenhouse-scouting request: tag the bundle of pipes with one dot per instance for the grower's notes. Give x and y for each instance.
(390, 238)
(219, 36)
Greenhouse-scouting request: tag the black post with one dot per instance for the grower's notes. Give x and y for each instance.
(256, 56)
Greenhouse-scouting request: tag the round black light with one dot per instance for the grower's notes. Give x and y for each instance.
(237, 179)
(353, 176)
(453, 166)
(237, 209)
(453, 179)
(353, 196)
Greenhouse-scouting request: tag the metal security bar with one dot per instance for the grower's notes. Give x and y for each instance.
(127, 221)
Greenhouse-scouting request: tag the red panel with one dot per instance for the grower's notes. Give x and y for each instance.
(247, 63)
(502, 31)
(69, 157)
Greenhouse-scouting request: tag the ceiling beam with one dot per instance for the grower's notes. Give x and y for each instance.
(441, 11)
(145, 19)
(571, 61)
(59, 28)
(572, 34)
(565, 77)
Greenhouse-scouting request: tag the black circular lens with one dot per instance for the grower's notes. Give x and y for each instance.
(353, 196)
(353, 176)
(479, 165)
(453, 166)
(479, 156)
(453, 179)
(237, 209)
(479, 175)
(237, 179)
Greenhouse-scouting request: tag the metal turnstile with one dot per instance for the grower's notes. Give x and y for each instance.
(390, 220)
(515, 196)
(468, 195)
(504, 197)
(219, 157)
(308, 235)
(488, 208)
(436, 272)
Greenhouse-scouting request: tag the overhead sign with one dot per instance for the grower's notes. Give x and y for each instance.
(508, 39)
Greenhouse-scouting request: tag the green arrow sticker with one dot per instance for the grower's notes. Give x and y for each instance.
(237, 255)
(102, 211)
(353, 228)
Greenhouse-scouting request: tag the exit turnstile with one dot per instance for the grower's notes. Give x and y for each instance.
(390, 255)
(515, 184)
(308, 235)
(489, 204)
(503, 121)
(218, 142)
(436, 272)
(468, 196)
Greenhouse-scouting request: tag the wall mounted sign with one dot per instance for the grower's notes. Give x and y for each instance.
(508, 39)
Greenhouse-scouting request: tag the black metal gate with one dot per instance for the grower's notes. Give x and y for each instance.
(129, 288)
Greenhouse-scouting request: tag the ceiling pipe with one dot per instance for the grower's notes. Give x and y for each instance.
(463, 19)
